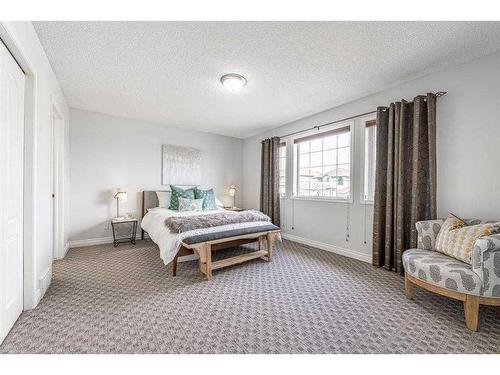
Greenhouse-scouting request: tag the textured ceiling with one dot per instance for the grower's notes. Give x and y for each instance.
(168, 72)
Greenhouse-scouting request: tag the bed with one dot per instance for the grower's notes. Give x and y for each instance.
(203, 241)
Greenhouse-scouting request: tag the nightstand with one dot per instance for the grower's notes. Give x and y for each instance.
(117, 222)
(234, 209)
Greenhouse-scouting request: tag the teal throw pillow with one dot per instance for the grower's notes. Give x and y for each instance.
(208, 198)
(177, 193)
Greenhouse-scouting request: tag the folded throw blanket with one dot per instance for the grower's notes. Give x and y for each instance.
(179, 224)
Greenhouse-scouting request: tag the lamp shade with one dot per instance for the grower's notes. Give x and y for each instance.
(232, 190)
(121, 195)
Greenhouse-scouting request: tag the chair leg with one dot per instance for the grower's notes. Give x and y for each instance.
(471, 308)
(409, 288)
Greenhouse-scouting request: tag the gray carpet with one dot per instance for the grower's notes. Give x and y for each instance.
(124, 300)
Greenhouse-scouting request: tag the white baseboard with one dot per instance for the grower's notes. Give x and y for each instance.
(95, 241)
(43, 284)
(66, 248)
(106, 240)
(328, 247)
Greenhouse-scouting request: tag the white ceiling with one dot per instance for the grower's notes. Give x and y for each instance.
(168, 72)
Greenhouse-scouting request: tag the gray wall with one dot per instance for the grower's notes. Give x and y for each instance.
(468, 151)
(109, 152)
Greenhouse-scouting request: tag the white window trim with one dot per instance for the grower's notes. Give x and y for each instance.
(363, 120)
(294, 165)
(286, 142)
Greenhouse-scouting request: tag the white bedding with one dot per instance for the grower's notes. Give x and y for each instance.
(170, 243)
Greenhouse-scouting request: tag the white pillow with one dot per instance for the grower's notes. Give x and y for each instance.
(164, 198)
(186, 204)
(218, 203)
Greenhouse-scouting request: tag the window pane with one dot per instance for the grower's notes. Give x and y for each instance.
(316, 159)
(330, 157)
(330, 142)
(317, 173)
(344, 170)
(344, 155)
(344, 139)
(329, 172)
(343, 187)
(304, 147)
(304, 160)
(369, 167)
(316, 145)
(304, 173)
(323, 166)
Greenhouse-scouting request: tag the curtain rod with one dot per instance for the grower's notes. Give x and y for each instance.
(317, 127)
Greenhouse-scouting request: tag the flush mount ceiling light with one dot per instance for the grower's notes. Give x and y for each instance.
(233, 82)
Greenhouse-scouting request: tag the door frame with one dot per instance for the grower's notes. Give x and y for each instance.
(57, 178)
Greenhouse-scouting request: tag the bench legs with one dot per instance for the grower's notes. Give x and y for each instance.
(471, 308)
(174, 266)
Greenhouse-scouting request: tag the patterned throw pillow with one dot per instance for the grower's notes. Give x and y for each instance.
(456, 239)
(177, 193)
(208, 198)
(186, 204)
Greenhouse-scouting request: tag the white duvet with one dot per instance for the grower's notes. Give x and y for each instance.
(170, 243)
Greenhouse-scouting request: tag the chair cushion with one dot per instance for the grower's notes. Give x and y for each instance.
(441, 270)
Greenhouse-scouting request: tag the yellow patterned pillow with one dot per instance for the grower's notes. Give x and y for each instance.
(456, 239)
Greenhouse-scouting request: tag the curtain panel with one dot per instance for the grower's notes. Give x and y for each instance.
(269, 179)
(405, 182)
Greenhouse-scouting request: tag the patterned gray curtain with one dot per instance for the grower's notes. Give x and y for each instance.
(405, 182)
(269, 179)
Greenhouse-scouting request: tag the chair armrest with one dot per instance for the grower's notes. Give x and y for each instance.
(486, 263)
(427, 231)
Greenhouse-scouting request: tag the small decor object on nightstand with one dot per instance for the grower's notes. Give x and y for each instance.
(120, 196)
(117, 222)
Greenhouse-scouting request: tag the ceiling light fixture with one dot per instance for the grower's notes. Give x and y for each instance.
(233, 82)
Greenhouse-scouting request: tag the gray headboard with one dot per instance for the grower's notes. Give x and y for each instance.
(149, 200)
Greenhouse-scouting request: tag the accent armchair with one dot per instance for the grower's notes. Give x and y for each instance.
(475, 284)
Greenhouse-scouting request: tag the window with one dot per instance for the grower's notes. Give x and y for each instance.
(282, 166)
(370, 160)
(322, 164)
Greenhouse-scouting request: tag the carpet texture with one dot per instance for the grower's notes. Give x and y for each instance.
(124, 300)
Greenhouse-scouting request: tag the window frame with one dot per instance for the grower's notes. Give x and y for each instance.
(362, 197)
(284, 143)
(295, 164)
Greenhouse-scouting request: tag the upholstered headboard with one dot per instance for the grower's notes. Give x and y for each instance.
(149, 200)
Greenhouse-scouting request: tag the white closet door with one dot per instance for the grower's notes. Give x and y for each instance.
(11, 190)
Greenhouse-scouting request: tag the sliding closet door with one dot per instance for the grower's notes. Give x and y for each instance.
(11, 190)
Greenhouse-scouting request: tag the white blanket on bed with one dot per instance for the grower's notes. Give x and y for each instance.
(170, 243)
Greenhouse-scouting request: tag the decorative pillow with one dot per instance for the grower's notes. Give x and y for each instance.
(163, 198)
(177, 193)
(186, 204)
(456, 239)
(208, 198)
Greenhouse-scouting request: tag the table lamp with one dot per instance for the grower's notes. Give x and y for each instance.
(120, 196)
(232, 193)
